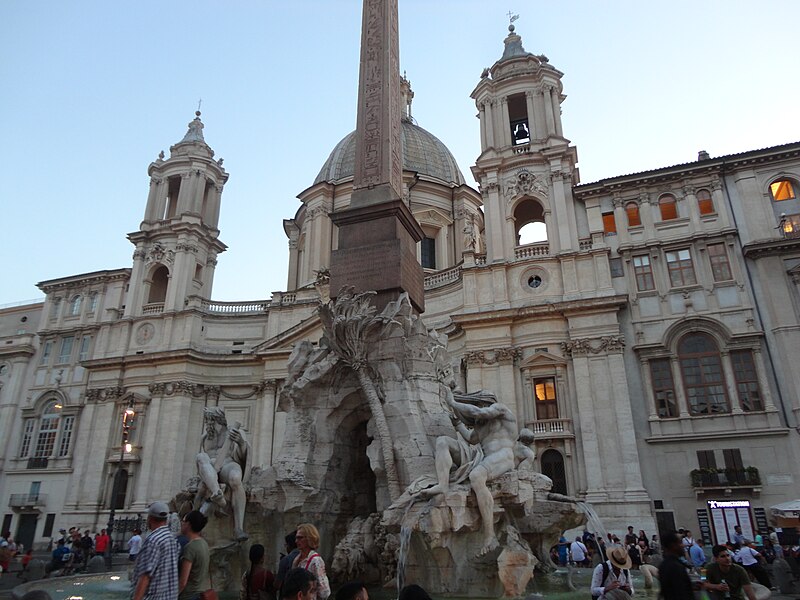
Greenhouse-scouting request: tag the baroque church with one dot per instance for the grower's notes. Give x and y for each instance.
(642, 326)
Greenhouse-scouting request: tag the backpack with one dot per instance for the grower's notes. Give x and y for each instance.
(606, 571)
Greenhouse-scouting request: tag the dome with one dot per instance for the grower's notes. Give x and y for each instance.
(423, 153)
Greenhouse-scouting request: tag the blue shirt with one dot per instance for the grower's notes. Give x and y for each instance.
(563, 546)
(697, 555)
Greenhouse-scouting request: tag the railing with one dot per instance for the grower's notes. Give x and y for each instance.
(480, 259)
(289, 298)
(235, 308)
(443, 277)
(585, 244)
(37, 463)
(522, 148)
(790, 226)
(716, 478)
(21, 500)
(531, 250)
(550, 426)
(154, 308)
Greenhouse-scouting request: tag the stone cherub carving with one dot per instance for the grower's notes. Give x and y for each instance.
(224, 459)
(484, 450)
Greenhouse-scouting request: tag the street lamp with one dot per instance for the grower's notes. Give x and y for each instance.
(125, 446)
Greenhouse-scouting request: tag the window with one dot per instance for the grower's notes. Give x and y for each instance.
(120, 489)
(720, 267)
(66, 350)
(158, 285)
(643, 273)
(518, 118)
(46, 351)
(744, 371)
(782, 190)
(681, 269)
(546, 404)
(27, 436)
(428, 253)
(706, 459)
(48, 431)
(529, 223)
(733, 459)
(663, 387)
(609, 224)
(632, 210)
(668, 206)
(75, 306)
(701, 367)
(92, 302)
(705, 203)
(68, 423)
(553, 467)
(83, 354)
(49, 521)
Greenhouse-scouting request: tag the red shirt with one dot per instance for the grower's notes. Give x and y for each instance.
(101, 543)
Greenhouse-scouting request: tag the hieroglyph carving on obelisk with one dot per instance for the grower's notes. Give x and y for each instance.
(379, 149)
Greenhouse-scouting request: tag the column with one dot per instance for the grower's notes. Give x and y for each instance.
(292, 283)
(548, 111)
(185, 194)
(763, 383)
(730, 383)
(506, 122)
(677, 381)
(133, 304)
(647, 384)
(150, 213)
(482, 119)
(556, 104)
(488, 107)
(494, 225)
(551, 226)
(719, 202)
(588, 436)
(533, 125)
(646, 213)
(538, 114)
(621, 217)
(216, 203)
(690, 203)
(624, 419)
(565, 232)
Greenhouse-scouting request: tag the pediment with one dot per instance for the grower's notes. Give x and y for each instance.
(543, 359)
(432, 216)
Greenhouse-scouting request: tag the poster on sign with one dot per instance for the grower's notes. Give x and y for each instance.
(726, 515)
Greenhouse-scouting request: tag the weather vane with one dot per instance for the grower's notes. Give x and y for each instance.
(512, 17)
(199, 104)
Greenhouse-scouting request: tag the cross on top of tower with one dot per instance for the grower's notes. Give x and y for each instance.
(511, 18)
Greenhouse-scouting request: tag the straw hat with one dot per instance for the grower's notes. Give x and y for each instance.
(618, 557)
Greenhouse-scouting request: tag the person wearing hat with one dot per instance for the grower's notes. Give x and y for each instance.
(672, 573)
(611, 579)
(155, 574)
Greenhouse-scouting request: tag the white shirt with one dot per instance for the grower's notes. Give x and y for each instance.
(134, 544)
(598, 585)
(747, 556)
(578, 551)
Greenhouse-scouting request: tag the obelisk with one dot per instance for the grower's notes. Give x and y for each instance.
(377, 232)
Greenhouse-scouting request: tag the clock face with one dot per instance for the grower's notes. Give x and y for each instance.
(145, 333)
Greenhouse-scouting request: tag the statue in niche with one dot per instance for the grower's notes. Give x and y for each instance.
(223, 463)
(483, 451)
(470, 237)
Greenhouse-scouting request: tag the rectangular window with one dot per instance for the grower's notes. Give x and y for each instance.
(65, 353)
(704, 384)
(46, 442)
(663, 387)
(681, 268)
(609, 224)
(49, 521)
(643, 273)
(744, 371)
(720, 267)
(546, 402)
(84, 351)
(428, 253)
(27, 436)
(46, 351)
(67, 425)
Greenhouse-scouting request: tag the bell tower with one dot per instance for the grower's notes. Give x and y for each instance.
(177, 243)
(526, 167)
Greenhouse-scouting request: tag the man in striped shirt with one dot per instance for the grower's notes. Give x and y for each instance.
(155, 574)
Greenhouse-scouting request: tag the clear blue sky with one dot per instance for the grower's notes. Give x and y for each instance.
(92, 91)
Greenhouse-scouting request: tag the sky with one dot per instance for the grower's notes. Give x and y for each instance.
(93, 91)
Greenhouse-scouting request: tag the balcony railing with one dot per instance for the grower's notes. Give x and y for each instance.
(27, 500)
(236, 308)
(443, 277)
(37, 463)
(790, 226)
(531, 250)
(550, 427)
(725, 478)
(154, 308)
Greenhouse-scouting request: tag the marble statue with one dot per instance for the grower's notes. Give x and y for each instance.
(524, 456)
(484, 450)
(223, 460)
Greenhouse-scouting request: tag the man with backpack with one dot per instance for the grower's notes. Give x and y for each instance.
(612, 577)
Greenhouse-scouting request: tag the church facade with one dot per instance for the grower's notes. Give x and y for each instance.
(644, 327)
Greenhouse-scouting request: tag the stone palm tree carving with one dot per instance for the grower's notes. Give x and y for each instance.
(350, 325)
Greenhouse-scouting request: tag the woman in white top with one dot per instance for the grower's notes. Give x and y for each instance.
(307, 540)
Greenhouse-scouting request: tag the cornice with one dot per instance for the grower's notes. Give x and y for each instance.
(84, 279)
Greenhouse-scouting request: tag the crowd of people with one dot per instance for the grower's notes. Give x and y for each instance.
(589, 548)
(73, 550)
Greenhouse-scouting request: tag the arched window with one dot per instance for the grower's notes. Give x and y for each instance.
(529, 223)
(632, 210)
(703, 379)
(553, 467)
(668, 206)
(158, 285)
(782, 190)
(75, 306)
(705, 203)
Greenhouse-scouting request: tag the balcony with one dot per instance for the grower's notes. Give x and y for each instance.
(27, 500)
(726, 480)
(551, 428)
(154, 308)
(37, 463)
(531, 251)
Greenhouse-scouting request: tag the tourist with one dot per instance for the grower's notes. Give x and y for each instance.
(258, 583)
(87, 545)
(134, 544)
(101, 542)
(643, 537)
(726, 579)
(672, 573)
(636, 556)
(413, 592)
(300, 584)
(655, 545)
(353, 590)
(612, 577)
(751, 561)
(5, 556)
(60, 556)
(578, 552)
(25, 560)
(630, 537)
(194, 578)
(697, 555)
(307, 540)
(563, 550)
(155, 574)
(286, 560)
(738, 536)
